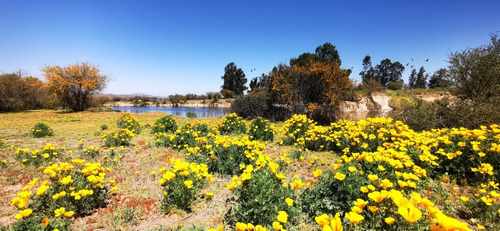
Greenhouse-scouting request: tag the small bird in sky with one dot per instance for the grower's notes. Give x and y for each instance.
(427, 60)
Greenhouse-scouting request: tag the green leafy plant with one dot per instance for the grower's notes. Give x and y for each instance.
(232, 123)
(261, 129)
(165, 124)
(182, 183)
(37, 157)
(91, 152)
(327, 196)
(295, 129)
(128, 121)
(65, 190)
(41, 129)
(120, 137)
(261, 197)
(181, 139)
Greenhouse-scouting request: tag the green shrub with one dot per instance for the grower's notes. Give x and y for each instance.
(120, 137)
(182, 183)
(164, 124)
(128, 121)
(91, 152)
(327, 196)
(261, 129)
(395, 85)
(250, 106)
(37, 157)
(295, 129)
(261, 197)
(232, 123)
(64, 191)
(223, 155)
(41, 129)
(448, 113)
(104, 127)
(203, 128)
(181, 139)
(35, 223)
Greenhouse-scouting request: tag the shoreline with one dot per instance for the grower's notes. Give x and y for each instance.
(195, 104)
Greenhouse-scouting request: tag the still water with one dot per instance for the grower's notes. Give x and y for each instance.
(188, 112)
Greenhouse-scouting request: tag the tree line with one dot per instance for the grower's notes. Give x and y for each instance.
(315, 84)
(312, 83)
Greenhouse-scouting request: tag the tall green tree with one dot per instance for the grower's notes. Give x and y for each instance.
(476, 71)
(388, 72)
(441, 79)
(412, 79)
(368, 73)
(324, 53)
(384, 73)
(418, 80)
(260, 84)
(234, 81)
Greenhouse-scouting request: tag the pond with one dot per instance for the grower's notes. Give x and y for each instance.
(187, 112)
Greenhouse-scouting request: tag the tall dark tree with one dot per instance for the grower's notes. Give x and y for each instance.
(303, 59)
(368, 73)
(324, 53)
(421, 78)
(234, 81)
(441, 79)
(388, 72)
(260, 83)
(328, 53)
(412, 80)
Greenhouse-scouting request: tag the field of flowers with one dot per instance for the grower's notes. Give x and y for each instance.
(120, 171)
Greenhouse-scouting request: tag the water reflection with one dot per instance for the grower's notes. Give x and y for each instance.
(187, 112)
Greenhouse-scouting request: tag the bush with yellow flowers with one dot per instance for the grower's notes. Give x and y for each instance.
(263, 197)
(295, 128)
(120, 137)
(463, 154)
(164, 124)
(41, 129)
(222, 154)
(232, 123)
(327, 196)
(182, 138)
(128, 121)
(65, 190)
(261, 129)
(37, 157)
(182, 182)
(483, 204)
(91, 152)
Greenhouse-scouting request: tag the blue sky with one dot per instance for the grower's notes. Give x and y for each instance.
(168, 47)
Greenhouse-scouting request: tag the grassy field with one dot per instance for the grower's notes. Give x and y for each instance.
(400, 158)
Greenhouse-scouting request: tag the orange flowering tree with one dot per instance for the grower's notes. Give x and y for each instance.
(75, 84)
(316, 89)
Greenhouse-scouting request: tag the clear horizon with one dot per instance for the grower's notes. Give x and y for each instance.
(177, 47)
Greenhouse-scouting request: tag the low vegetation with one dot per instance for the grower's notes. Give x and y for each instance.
(374, 174)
